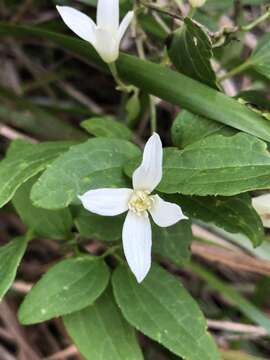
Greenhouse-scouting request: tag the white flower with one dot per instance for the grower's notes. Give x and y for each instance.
(197, 3)
(136, 235)
(262, 205)
(105, 37)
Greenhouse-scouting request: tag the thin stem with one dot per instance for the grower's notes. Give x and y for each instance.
(235, 71)
(110, 251)
(153, 114)
(159, 9)
(191, 12)
(122, 86)
(256, 22)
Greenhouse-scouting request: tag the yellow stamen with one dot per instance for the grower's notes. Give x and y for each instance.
(140, 202)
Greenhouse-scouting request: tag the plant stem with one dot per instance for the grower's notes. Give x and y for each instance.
(121, 85)
(236, 70)
(153, 114)
(256, 22)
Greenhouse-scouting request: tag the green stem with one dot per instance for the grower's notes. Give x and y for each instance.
(110, 251)
(256, 22)
(235, 71)
(121, 85)
(153, 114)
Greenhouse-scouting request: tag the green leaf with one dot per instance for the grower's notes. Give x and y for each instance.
(232, 296)
(217, 165)
(173, 242)
(25, 161)
(260, 58)
(10, 258)
(160, 81)
(69, 286)
(189, 128)
(53, 224)
(107, 127)
(96, 163)
(162, 309)
(104, 228)
(101, 333)
(191, 52)
(234, 214)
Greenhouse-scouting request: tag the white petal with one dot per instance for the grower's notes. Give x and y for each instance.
(137, 243)
(106, 202)
(81, 24)
(165, 213)
(262, 205)
(107, 45)
(148, 175)
(125, 24)
(108, 14)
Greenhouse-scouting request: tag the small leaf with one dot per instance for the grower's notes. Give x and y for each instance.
(24, 161)
(94, 164)
(10, 258)
(133, 107)
(53, 224)
(260, 58)
(189, 128)
(107, 127)
(173, 242)
(104, 228)
(191, 52)
(234, 214)
(162, 309)
(101, 333)
(69, 286)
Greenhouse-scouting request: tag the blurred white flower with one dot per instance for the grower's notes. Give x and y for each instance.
(137, 235)
(262, 205)
(197, 3)
(105, 36)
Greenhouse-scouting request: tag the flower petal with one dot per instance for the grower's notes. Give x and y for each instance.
(148, 175)
(125, 24)
(165, 213)
(81, 24)
(107, 45)
(108, 14)
(262, 205)
(137, 243)
(106, 202)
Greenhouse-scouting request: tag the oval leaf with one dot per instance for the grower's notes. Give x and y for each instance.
(69, 286)
(162, 309)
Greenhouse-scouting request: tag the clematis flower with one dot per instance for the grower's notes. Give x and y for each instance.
(136, 234)
(105, 36)
(262, 205)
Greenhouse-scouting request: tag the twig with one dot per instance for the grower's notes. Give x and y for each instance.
(236, 327)
(63, 354)
(12, 134)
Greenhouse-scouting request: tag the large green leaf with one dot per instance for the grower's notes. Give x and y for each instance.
(234, 214)
(53, 224)
(162, 309)
(260, 59)
(101, 333)
(69, 286)
(160, 81)
(107, 127)
(99, 227)
(191, 52)
(189, 128)
(24, 161)
(217, 165)
(94, 164)
(173, 242)
(10, 258)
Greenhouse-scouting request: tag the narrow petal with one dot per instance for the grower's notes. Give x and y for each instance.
(108, 14)
(107, 45)
(148, 175)
(125, 24)
(165, 213)
(106, 202)
(81, 24)
(262, 205)
(137, 243)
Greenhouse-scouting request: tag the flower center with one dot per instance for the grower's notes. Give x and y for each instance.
(140, 202)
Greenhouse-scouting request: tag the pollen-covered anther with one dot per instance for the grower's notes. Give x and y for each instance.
(140, 202)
